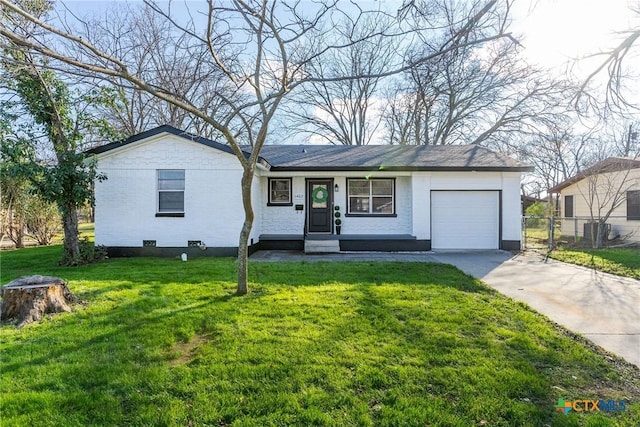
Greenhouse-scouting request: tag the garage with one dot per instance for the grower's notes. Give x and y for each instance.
(465, 219)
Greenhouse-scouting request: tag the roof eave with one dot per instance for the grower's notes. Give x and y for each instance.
(168, 130)
(400, 169)
(558, 188)
(597, 169)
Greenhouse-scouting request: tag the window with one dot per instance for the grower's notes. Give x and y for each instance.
(633, 205)
(371, 196)
(170, 192)
(280, 191)
(568, 206)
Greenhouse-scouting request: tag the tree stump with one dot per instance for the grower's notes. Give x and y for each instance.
(26, 299)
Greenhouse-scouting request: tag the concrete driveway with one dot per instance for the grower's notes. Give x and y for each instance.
(599, 306)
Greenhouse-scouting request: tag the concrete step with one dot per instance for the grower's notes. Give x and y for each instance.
(321, 246)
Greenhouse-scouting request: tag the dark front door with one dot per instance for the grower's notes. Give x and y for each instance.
(320, 202)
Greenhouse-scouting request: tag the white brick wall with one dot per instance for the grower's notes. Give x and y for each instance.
(126, 203)
(283, 219)
(286, 220)
(400, 224)
(511, 206)
(412, 203)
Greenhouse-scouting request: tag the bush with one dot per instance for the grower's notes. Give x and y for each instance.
(89, 253)
(538, 210)
(42, 219)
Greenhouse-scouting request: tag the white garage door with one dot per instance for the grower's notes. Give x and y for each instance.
(464, 219)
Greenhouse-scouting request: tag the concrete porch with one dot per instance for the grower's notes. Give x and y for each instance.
(332, 243)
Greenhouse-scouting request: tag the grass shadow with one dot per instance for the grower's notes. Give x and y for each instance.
(314, 344)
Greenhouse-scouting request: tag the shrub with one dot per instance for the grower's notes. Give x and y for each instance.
(538, 210)
(89, 253)
(42, 219)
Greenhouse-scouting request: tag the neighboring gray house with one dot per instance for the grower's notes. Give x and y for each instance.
(169, 191)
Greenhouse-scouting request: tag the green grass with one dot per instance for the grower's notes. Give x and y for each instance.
(539, 235)
(623, 262)
(87, 229)
(159, 342)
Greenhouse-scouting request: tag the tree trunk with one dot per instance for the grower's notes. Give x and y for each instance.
(599, 230)
(243, 245)
(27, 299)
(19, 234)
(70, 228)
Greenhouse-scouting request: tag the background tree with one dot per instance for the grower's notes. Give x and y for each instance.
(24, 212)
(618, 76)
(345, 112)
(472, 94)
(67, 181)
(165, 58)
(628, 144)
(262, 51)
(42, 219)
(558, 153)
(41, 100)
(13, 195)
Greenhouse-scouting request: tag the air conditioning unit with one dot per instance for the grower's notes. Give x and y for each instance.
(591, 228)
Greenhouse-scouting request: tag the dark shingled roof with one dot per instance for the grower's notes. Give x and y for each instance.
(157, 131)
(387, 157)
(357, 158)
(610, 164)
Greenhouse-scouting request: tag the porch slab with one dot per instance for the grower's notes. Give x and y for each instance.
(345, 242)
(321, 246)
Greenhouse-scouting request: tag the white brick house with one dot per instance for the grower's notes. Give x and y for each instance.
(169, 192)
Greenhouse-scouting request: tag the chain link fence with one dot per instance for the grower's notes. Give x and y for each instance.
(583, 232)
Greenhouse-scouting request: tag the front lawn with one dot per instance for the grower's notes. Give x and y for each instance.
(162, 342)
(623, 262)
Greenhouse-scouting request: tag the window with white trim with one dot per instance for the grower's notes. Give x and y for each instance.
(171, 191)
(280, 191)
(371, 196)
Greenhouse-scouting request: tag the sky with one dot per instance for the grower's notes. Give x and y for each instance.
(560, 35)
(557, 32)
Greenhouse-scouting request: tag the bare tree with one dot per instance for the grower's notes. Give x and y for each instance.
(628, 146)
(42, 220)
(472, 94)
(261, 49)
(347, 111)
(558, 153)
(163, 57)
(613, 65)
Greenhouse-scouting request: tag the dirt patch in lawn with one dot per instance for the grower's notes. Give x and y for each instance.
(187, 350)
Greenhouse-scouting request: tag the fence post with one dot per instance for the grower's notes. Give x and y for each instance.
(552, 222)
